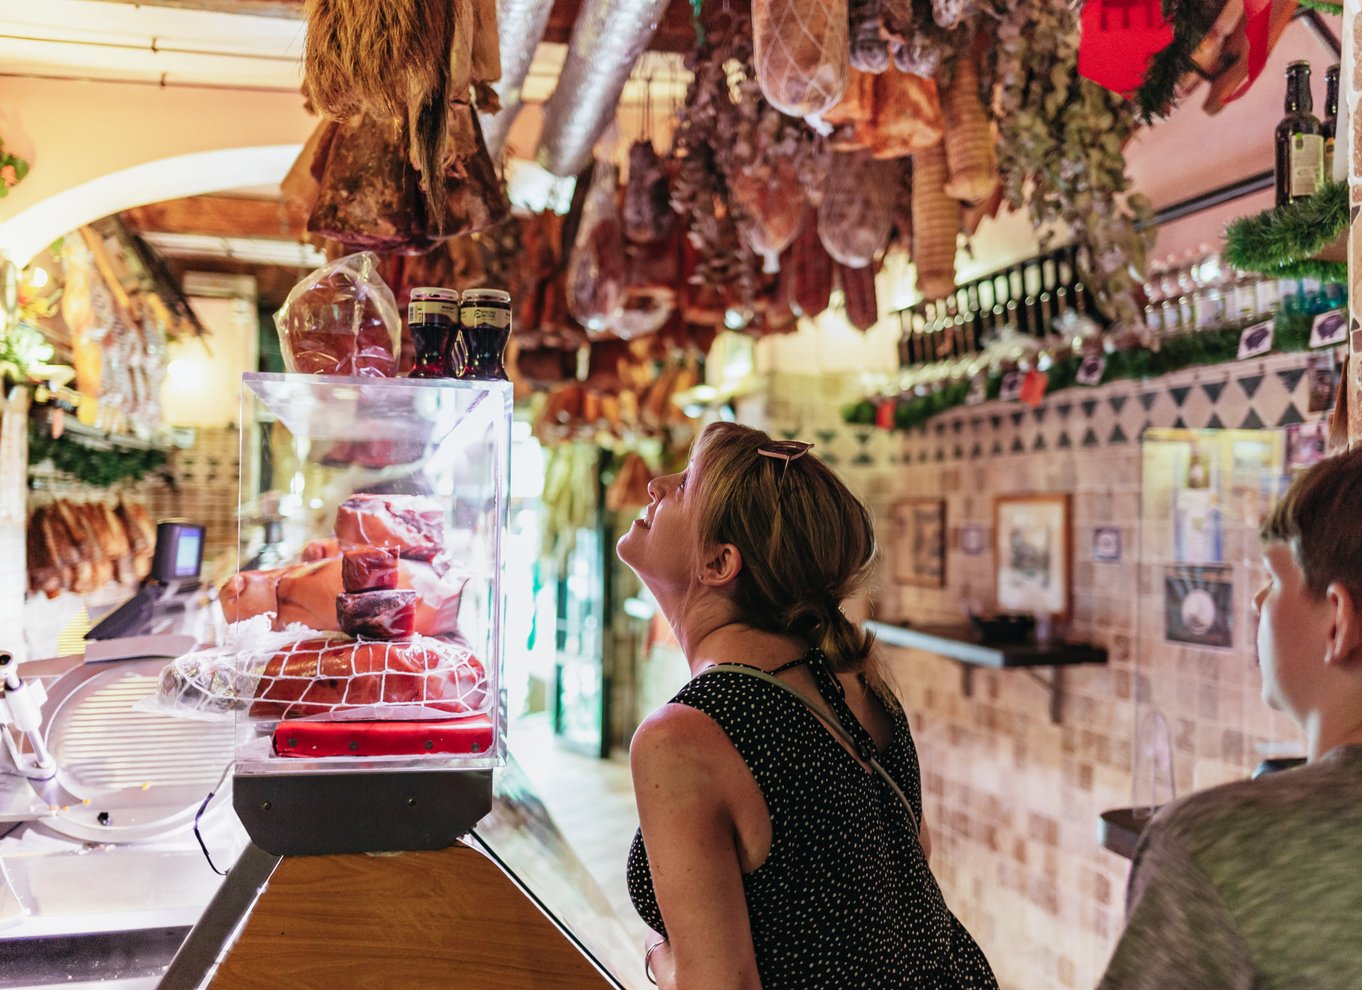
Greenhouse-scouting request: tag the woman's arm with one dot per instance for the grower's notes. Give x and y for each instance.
(685, 773)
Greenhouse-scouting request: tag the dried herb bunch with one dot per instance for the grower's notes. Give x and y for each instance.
(1060, 141)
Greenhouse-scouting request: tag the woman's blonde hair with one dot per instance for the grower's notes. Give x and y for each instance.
(807, 542)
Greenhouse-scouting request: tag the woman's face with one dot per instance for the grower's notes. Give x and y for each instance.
(659, 545)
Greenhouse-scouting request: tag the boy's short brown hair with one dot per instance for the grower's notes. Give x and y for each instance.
(1320, 518)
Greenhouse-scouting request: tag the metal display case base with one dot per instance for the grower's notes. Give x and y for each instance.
(321, 814)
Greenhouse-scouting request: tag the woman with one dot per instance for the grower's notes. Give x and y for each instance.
(770, 853)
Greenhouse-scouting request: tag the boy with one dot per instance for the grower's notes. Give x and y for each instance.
(1259, 884)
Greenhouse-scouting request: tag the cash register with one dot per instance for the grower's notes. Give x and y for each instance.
(168, 593)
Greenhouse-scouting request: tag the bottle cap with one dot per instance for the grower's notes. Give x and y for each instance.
(486, 295)
(434, 292)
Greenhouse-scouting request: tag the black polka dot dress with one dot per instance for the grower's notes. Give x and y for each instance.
(845, 898)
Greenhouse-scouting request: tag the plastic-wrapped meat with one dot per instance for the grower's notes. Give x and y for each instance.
(858, 288)
(341, 320)
(412, 524)
(306, 595)
(812, 271)
(648, 213)
(377, 614)
(800, 49)
(332, 675)
(857, 209)
(369, 569)
(596, 272)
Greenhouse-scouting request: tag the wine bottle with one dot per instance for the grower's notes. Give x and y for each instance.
(1330, 119)
(1300, 140)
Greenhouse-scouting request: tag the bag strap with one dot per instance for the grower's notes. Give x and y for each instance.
(832, 722)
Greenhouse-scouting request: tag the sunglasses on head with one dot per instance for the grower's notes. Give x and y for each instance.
(784, 450)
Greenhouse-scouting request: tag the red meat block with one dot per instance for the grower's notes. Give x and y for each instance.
(334, 674)
(412, 524)
(369, 569)
(377, 614)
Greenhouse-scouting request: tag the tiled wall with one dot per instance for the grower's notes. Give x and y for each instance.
(205, 491)
(1013, 799)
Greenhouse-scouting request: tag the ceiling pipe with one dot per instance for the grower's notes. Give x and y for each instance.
(607, 40)
(521, 25)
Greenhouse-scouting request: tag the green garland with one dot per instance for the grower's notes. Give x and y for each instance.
(1175, 353)
(1283, 241)
(1323, 6)
(100, 468)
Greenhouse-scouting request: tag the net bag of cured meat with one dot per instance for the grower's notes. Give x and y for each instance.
(802, 53)
(299, 674)
(341, 320)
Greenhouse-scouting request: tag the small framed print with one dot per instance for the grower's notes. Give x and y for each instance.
(1306, 444)
(972, 540)
(1329, 329)
(1092, 369)
(1106, 544)
(1322, 376)
(1010, 391)
(1199, 606)
(920, 542)
(1031, 537)
(1256, 340)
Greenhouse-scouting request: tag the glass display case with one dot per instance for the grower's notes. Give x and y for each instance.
(365, 636)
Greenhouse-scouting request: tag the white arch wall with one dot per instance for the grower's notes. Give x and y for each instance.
(96, 148)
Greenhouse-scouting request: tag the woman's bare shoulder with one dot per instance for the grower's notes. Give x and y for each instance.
(680, 744)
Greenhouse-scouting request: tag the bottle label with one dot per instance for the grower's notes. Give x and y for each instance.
(420, 310)
(1329, 159)
(1307, 164)
(496, 317)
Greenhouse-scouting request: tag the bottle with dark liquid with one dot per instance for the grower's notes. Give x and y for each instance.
(433, 317)
(1330, 119)
(1300, 140)
(484, 330)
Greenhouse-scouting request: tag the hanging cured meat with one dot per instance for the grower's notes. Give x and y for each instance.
(769, 193)
(936, 223)
(907, 116)
(801, 52)
(368, 194)
(970, 152)
(648, 216)
(858, 289)
(857, 210)
(812, 270)
(869, 49)
(596, 273)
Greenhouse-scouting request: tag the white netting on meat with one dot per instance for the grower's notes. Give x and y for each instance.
(858, 207)
(801, 51)
(266, 675)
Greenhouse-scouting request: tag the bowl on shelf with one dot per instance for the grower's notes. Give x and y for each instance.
(1006, 629)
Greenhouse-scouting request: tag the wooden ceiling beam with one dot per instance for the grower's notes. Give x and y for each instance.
(219, 216)
(675, 34)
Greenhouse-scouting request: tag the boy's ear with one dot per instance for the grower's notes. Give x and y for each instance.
(1345, 633)
(722, 565)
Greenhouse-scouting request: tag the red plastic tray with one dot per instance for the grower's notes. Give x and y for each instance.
(467, 734)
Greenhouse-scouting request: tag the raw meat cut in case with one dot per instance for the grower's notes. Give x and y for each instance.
(377, 614)
(369, 569)
(306, 594)
(320, 550)
(335, 674)
(413, 524)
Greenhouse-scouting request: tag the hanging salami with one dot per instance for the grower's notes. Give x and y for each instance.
(857, 210)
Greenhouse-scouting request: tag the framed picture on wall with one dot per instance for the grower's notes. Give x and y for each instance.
(920, 542)
(1031, 541)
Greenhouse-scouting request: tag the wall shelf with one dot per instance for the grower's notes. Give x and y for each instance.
(962, 644)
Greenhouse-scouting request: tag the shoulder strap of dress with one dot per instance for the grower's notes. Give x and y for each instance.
(833, 723)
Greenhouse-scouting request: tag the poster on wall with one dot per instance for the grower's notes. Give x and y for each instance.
(1322, 377)
(1106, 544)
(920, 542)
(1306, 444)
(1031, 534)
(1199, 606)
(1329, 329)
(973, 540)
